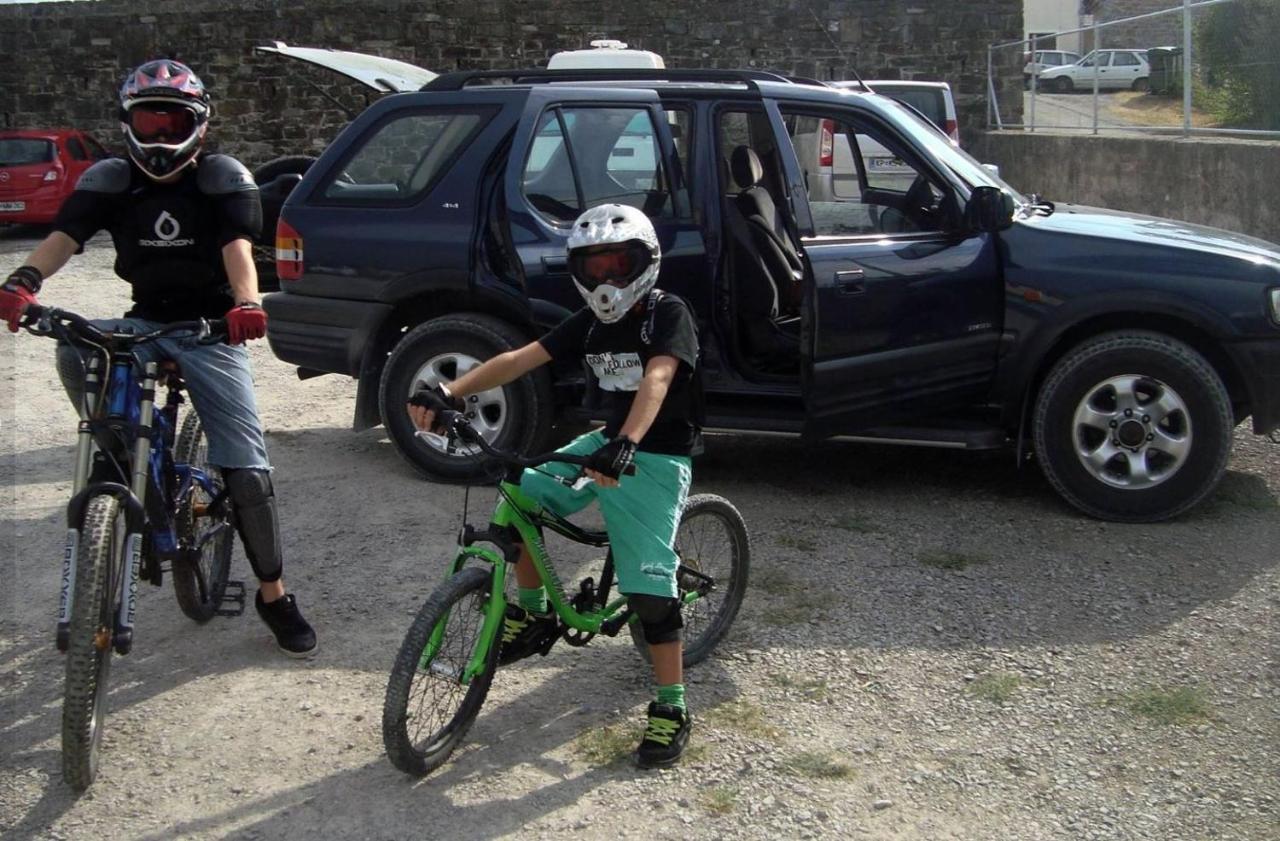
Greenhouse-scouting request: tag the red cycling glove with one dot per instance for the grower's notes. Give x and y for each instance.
(245, 322)
(19, 292)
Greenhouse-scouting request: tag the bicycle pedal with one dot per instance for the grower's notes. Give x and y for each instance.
(232, 603)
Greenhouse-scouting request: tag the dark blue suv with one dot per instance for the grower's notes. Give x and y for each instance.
(854, 273)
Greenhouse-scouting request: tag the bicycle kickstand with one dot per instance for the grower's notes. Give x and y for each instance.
(232, 603)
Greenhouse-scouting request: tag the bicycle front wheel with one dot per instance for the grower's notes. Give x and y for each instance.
(204, 539)
(84, 704)
(428, 709)
(715, 556)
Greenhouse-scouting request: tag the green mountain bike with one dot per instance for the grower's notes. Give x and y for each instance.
(448, 658)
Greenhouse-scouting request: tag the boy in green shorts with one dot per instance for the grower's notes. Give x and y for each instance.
(642, 346)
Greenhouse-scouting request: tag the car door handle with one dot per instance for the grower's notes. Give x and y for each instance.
(557, 265)
(849, 282)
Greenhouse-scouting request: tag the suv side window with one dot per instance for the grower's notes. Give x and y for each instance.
(584, 157)
(860, 183)
(403, 157)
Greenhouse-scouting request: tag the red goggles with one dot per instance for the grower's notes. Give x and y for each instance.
(161, 123)
(619, 264)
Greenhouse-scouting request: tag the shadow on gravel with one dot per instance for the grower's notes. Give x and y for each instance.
(515, 736)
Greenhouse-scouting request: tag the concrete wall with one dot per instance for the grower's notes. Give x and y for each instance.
(1225, 183)
(62, 62)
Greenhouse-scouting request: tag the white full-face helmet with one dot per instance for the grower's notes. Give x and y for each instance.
(613, 259)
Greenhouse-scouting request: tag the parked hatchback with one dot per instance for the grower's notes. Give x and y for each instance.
(39, 169)
(1114, 70)
(1045, 59)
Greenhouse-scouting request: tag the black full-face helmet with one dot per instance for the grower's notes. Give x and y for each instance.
(164, 112)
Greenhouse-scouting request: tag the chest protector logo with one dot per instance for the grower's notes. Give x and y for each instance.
(167, 230)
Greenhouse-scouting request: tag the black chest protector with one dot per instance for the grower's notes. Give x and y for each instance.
(168, 237)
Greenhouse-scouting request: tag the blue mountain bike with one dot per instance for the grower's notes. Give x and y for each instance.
(144, 501)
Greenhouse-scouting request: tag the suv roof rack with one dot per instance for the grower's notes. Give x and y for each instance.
(460, 79)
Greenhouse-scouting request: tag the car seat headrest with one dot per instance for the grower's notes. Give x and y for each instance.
(746, 167)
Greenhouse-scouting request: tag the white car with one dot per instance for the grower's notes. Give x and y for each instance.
(1045, 60)
(1114, 70)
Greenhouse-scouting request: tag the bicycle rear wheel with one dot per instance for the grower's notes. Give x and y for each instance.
(427, 710)
(84, 703)
(204, 540)
(714, 550)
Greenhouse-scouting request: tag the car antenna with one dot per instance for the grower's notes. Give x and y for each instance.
(852, 67)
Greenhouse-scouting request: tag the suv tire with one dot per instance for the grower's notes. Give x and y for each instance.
(518, 416)
(1155, 395)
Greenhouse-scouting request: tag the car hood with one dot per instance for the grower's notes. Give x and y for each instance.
(384, 75)
(1058, 70)
(1151, 230)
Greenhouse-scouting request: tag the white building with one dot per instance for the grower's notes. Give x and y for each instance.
(1045, 17)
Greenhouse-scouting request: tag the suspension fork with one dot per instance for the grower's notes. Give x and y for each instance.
(128, 596)
(84, 458)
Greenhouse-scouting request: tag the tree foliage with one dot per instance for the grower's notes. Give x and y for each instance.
(1236, 47)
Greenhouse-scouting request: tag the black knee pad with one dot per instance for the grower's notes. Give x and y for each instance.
(254, 502)
(659, 616)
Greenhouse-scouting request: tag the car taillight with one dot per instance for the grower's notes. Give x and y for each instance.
(288, 251)
(953, 131)
(51, 175)
(826, 143)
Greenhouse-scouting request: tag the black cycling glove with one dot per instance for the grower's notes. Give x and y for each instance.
(615, 458)
(437, 399)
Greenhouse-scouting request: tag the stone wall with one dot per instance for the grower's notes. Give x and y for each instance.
(1161, 31)
(1219, 182)
(64, 61)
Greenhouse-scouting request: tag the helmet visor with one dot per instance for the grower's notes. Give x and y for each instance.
(161, 122)
(615, 263)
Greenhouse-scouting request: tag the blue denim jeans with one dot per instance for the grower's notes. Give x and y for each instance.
(219, 383)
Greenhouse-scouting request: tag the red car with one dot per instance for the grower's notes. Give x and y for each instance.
(39, 168)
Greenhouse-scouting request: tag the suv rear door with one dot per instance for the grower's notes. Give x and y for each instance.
(579, 147)
(902, 310)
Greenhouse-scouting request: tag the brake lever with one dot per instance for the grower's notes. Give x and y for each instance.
(205, 335)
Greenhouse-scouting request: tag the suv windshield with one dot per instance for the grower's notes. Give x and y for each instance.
(964, 165)
(15, 151)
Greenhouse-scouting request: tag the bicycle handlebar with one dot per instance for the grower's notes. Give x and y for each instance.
(459, 427)
(43, 321)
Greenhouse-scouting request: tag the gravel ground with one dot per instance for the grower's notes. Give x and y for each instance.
(932, 646)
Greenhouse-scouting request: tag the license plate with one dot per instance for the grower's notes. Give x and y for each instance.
(886, 163)
(12, 206)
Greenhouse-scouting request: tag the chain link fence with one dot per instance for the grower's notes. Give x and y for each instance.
(1209, 67)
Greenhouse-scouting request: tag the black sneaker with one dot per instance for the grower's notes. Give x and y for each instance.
(294, 636)
(665, 736)
(525, 633)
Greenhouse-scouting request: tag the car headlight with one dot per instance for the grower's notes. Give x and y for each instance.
(1274, 294)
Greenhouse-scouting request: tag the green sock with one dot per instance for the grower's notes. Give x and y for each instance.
(673, 695)
(533, 599)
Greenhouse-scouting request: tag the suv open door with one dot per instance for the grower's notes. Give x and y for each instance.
(577, 148)
(902, 308)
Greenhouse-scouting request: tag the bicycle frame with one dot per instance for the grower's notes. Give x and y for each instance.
(516, 519)
(124, 417)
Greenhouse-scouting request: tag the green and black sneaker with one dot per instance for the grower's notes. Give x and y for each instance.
(665, 737)
(525, 633)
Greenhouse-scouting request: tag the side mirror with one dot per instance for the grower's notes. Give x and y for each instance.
(988, 210)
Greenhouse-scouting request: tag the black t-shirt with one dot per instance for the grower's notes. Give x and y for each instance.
(617, 355)
(168, 240)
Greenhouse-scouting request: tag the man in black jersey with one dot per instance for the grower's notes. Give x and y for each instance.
(642, 346)
(182, 224)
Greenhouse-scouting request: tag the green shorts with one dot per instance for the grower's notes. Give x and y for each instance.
(641, 514)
